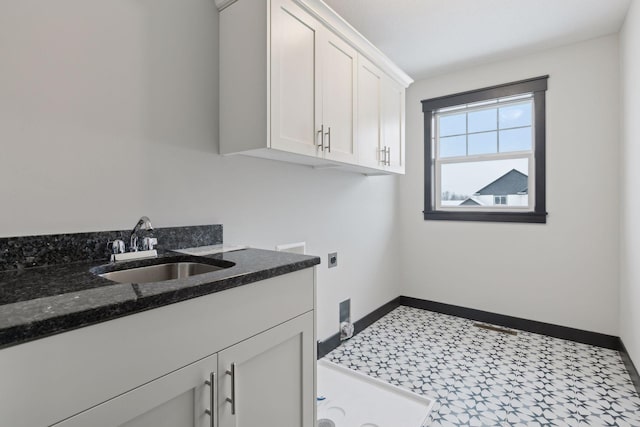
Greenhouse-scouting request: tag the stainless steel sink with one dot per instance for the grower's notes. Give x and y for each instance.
(160, 272)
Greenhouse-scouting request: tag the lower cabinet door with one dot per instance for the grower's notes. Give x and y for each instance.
(268, 380)
(181, 398)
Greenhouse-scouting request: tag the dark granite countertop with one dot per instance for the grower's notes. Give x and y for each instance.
(43, 301)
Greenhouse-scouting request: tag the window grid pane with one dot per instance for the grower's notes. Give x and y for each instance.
(516, 139)
(482, 121)
(482, 143)
(510, 113)
(515, 115)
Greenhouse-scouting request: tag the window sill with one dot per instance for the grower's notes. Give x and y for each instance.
(525, 217)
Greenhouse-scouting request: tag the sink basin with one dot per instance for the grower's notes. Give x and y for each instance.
(160, 270)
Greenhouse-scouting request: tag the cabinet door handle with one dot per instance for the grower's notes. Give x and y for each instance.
(383, 155)
(329, 135)
(388, 156)
(213, 399)
(321, 133)
(232, 400)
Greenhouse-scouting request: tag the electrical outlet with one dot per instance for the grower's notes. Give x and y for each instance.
(333, 259)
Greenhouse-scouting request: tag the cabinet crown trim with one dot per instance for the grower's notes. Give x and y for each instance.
(325, 14)
(336, 23)
(222, 4)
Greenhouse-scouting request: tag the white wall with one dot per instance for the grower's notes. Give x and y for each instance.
(564, 272)
(630, 159)
(108, 111)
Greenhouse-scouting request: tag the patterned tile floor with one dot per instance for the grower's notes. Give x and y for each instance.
(485, 378)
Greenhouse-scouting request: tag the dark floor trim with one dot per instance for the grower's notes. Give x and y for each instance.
(631, 368)
(326, 346)
(563, 332)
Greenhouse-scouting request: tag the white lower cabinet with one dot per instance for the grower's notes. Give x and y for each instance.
(179, 399)
(267, 380)
(155, 368)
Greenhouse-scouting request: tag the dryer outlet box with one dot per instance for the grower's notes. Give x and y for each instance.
(345, 311)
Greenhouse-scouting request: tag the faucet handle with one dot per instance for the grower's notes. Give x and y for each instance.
(116, 247)
(148, 243)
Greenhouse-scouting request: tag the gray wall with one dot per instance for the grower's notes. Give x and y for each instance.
(564, 272)
(108, 111)
(630, 159)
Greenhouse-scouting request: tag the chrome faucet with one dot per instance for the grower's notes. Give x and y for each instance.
(143, 224)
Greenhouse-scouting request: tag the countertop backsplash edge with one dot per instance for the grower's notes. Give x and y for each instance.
(22, 252)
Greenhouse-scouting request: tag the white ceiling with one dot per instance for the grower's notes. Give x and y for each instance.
(428, 37)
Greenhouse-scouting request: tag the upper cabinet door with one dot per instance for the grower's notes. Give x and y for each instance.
(393, 112)
(339, 69)
(369, 114)
(295, 84)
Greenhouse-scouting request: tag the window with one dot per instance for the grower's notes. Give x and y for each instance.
(485, 154)
(500, 200)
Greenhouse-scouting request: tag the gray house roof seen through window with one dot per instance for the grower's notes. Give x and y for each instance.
(513, 182)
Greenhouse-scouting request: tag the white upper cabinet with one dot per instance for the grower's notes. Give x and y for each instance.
(380, 120)
(393, 128)
(296, 105)
(339, 70)
(294, 87)
(369, 111)
(313, 86)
